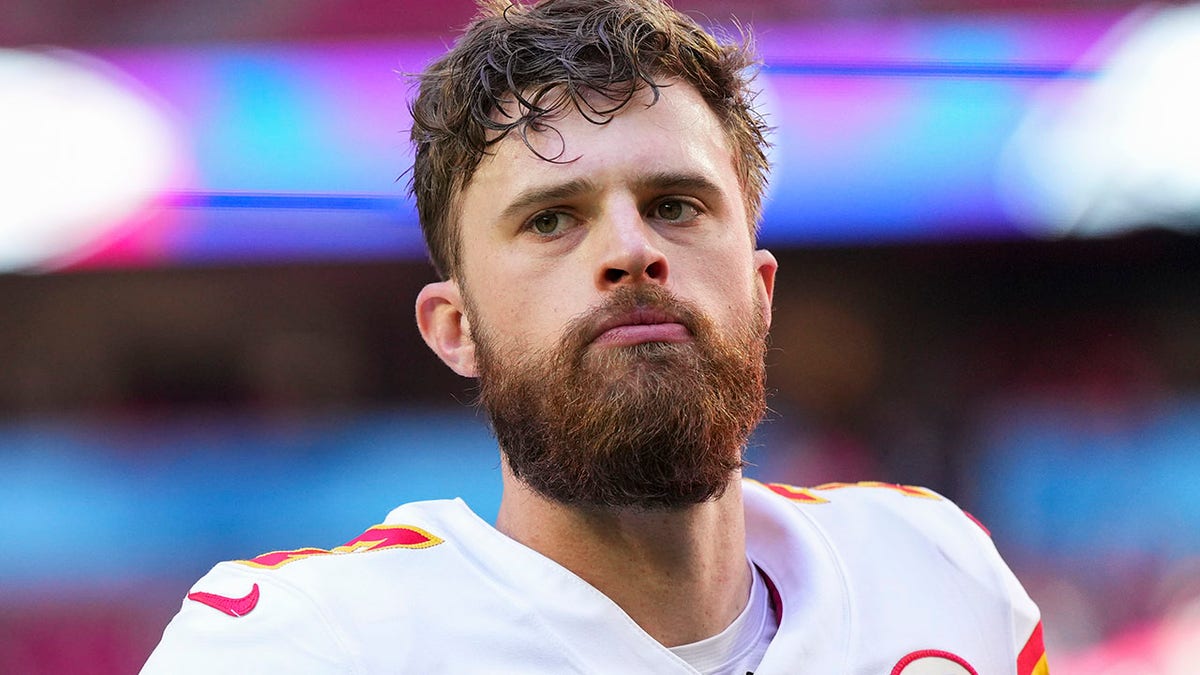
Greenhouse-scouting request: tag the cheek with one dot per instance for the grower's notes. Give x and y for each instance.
(727, 280)
(526, 300)
(524, 316)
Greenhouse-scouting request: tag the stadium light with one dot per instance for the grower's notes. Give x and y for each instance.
(82, 150)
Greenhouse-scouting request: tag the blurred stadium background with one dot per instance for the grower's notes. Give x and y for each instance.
(986, 214)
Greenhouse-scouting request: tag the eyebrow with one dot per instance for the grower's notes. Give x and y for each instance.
(671, 180)
(543, 195)
(660, 181)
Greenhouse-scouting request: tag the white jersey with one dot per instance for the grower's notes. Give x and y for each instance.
(867, 579)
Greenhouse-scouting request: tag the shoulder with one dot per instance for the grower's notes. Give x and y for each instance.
(879, 534)
(918, 532)
(285, 608)
(863, 521)
(875, 508)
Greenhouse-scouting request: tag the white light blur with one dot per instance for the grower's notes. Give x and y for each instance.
(81, 151)
(1121, 151)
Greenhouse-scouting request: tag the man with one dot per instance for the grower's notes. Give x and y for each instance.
(589, 177)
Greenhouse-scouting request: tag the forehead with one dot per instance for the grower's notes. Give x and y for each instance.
(676, 133)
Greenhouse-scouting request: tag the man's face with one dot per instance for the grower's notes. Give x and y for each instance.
(616, 305)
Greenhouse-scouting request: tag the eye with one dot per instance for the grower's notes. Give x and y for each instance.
(675, 211)
(548, 223)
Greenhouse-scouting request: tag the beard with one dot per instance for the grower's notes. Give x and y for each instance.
(655, 425)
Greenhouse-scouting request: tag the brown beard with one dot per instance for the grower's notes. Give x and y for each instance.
(656, 425)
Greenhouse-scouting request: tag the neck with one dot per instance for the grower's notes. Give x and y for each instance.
(680, 574)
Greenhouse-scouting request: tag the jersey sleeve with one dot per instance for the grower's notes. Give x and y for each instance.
(938, 536)
(237, 620)
(1027, 643)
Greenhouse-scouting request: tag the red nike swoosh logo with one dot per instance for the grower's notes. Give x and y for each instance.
(231, 606)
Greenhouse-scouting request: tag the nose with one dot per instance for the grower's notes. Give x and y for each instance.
(630, 254)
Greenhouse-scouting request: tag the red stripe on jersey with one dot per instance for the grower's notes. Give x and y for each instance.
(796, 494)
(378, 538)
(1032, 659)
(975, 520)
(389, 536)
(277, 559)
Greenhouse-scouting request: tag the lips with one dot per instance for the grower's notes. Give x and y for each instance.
(641, 325)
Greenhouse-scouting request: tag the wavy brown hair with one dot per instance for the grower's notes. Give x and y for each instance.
(546, 57)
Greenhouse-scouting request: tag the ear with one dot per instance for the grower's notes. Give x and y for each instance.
(445, 326)
(765, 267)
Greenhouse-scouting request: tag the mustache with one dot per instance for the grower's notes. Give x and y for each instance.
(626, 302)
